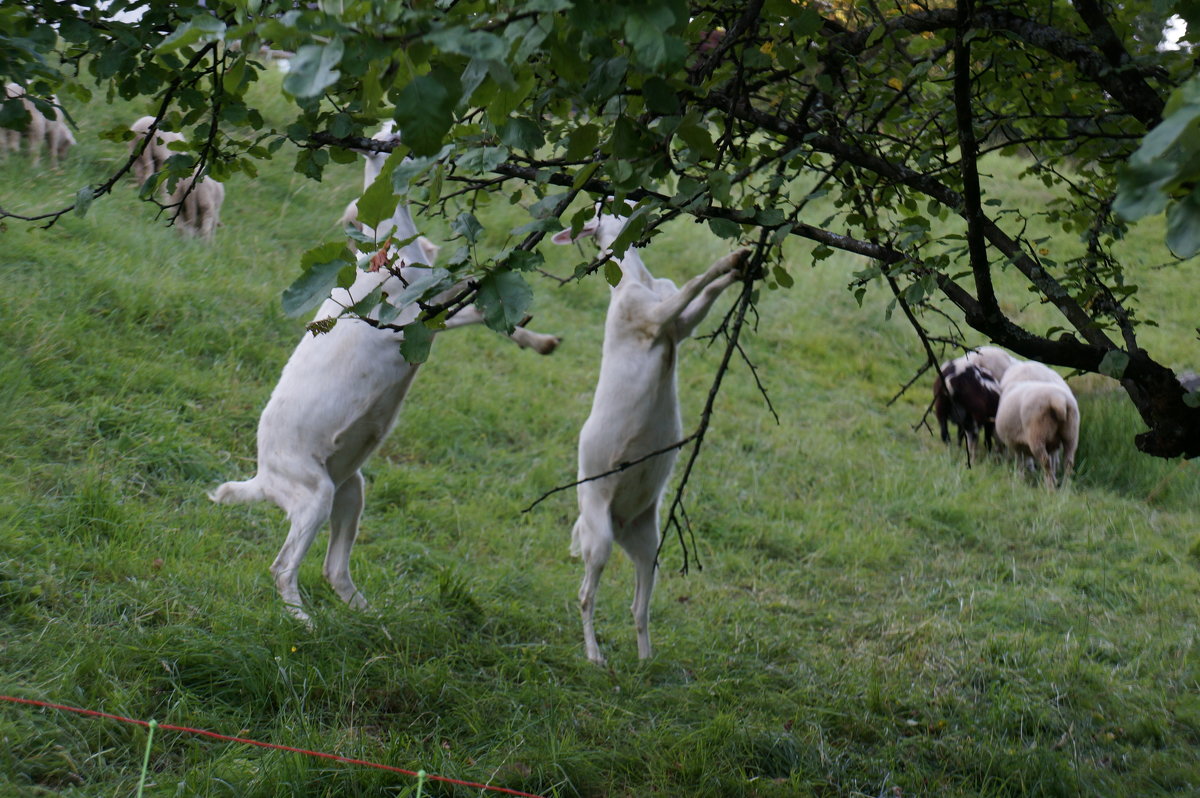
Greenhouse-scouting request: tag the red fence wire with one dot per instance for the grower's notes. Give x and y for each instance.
(245, 741)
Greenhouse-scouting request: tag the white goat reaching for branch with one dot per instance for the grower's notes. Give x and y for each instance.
(635, 412)
(335, 403)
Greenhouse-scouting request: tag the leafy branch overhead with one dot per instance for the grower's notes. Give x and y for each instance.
(736, 114)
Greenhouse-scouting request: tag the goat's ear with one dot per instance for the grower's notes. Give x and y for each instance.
(429, 249)
(589, 229)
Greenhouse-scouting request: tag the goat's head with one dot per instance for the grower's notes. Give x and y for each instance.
(604, 226)
(375, 160)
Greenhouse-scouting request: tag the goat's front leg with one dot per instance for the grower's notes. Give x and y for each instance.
(698, 308)
(526, 339)
(670, 309)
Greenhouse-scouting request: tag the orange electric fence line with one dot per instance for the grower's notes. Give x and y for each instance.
(245, 741)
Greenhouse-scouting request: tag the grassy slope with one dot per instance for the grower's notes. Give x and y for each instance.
(871, 615)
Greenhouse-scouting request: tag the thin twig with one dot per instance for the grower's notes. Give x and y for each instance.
(621, 467)
(753, 270)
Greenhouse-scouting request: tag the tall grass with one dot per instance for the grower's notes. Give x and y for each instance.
(872, 617)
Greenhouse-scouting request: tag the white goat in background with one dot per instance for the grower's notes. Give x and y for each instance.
(336, 401)
(635, 411)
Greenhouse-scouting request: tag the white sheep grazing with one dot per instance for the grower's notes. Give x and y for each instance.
(1030, 371)
(336, 401)
(33, 135)
(199, 201)
(156, 152)
(59, 139)
(1038, 418)
(992, 359)
(635, 411)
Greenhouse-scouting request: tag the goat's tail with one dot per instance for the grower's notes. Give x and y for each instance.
(238, 492)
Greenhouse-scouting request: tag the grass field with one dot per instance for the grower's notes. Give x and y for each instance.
(872, 618)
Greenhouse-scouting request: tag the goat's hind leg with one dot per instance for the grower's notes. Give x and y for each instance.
(592, 540)
(308, 511)
(343, 530)
(641, 544)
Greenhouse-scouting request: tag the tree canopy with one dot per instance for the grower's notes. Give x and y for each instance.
(737, 114)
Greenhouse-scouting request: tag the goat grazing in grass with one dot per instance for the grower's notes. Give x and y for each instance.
(635, 411)
(336, 401)
(967, 392)
(968, 396)
(1038, 418)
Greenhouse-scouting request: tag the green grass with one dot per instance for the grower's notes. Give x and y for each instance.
(872, 616)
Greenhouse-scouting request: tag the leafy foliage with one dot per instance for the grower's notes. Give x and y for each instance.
(736, 114)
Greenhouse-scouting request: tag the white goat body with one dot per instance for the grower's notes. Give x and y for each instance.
(635, 411)
(336, 401)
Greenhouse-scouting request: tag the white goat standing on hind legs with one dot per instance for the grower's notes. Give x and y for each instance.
(635, 412)
(336, 401)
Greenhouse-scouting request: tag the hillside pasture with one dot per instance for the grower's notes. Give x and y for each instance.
(872, 617)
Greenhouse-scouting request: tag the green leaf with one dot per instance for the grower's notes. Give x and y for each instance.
(368, 303)
(582, 141)
(429, 282)
(467, 226)
(1183, 226)
(464, 41)
(724, 228)
(503, 298)
(378, 202)
(202, 27)
(520, 260)
(659, 96)
(83, 200)
(521, 133)
(14, 115)
(480, 160)
(1114, 363)
(806, 23)
(425, 109)
(1166, 133)
(1141, 190)
(321, 266)
(418, 338)
(782, 277)
(313, 69)
(612, 272)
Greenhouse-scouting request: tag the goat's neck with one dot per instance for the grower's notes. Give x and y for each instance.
(632, 267)
(399, 225)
